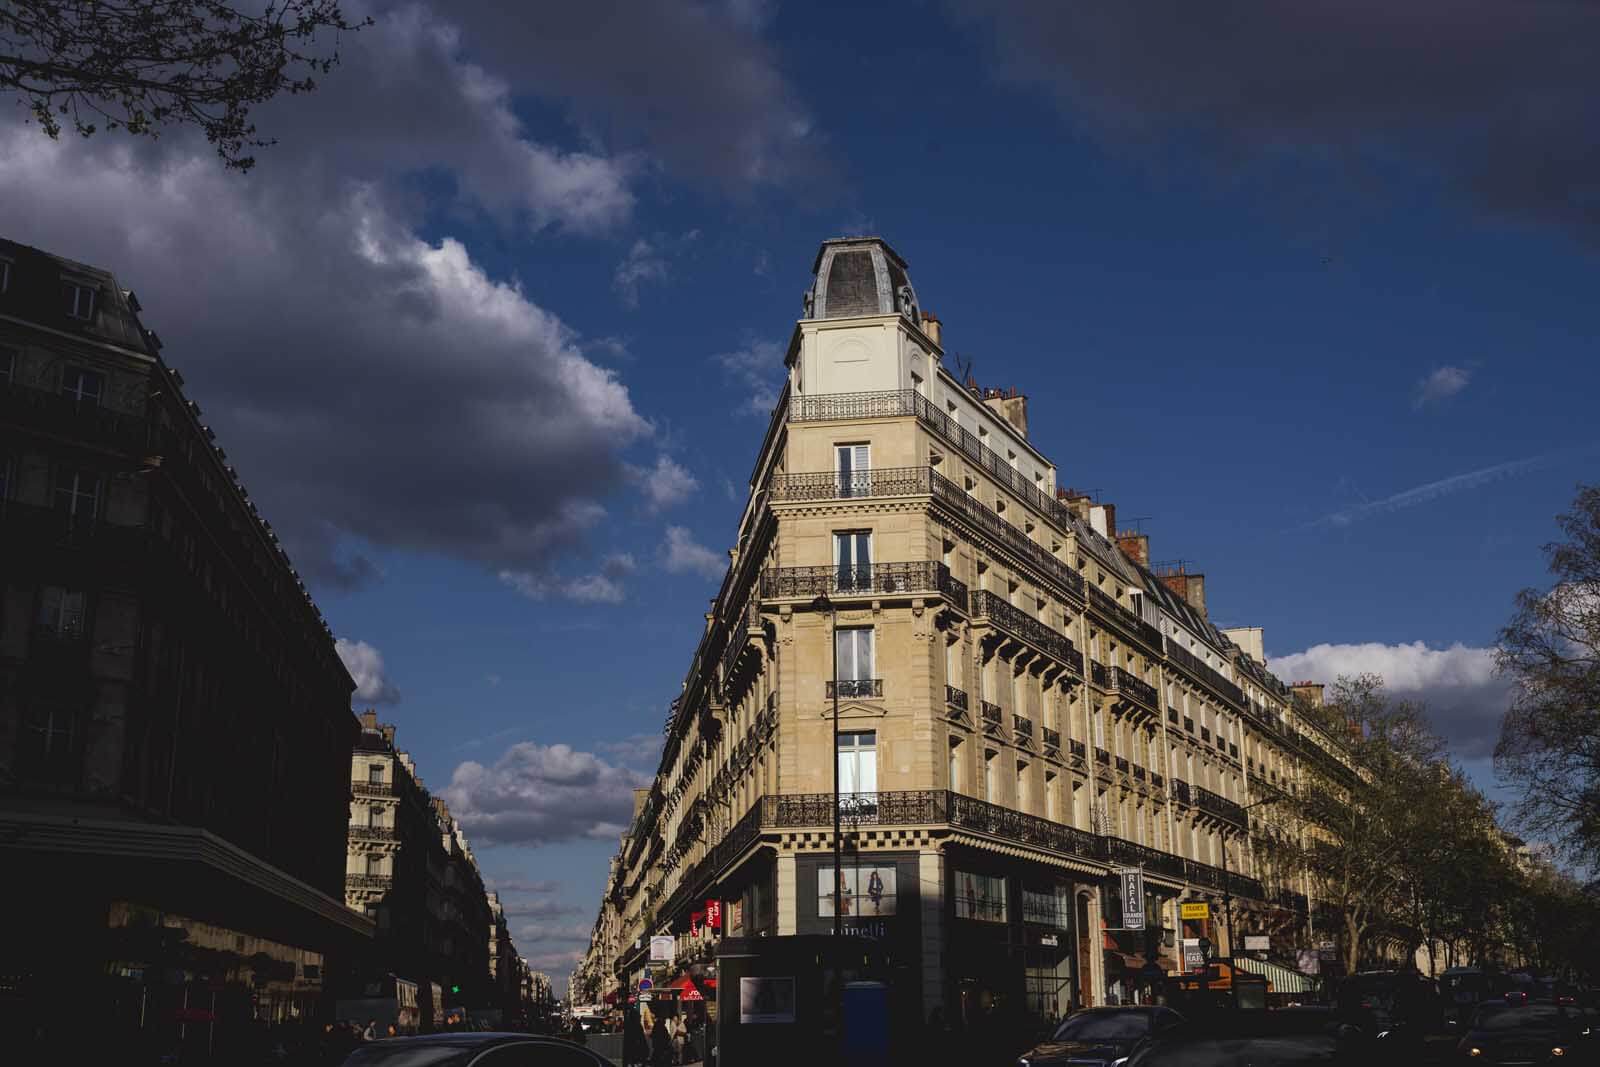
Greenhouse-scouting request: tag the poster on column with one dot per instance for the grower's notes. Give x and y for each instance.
(863, 891)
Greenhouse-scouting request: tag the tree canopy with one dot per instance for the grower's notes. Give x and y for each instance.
(144, 65)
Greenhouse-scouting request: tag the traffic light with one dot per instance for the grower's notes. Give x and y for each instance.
(455, 989)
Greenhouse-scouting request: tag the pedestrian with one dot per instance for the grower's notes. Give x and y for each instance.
(371, 1032)
(635, 1050)
(678, 1030)
(660, 1044)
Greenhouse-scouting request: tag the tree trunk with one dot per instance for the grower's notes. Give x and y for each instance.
(1352, 951)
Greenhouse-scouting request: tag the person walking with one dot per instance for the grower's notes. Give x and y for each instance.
(660, 1044)
(635, 1046)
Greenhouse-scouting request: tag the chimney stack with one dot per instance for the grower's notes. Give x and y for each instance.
(1191, 587)
(1310, 692)
(1135, 546)
(933, 328)
(369, 719)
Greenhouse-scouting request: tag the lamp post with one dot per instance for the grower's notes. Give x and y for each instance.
(821, 604)
(1227, 884)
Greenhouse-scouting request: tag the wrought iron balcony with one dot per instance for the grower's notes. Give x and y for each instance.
(1121, 764)
(1115, 613)
(855, 689)
(842, 485)
(1052, 739)
(1220, 806)
(374, 833)
(1138, 773)
(1130, 685)
(1102, 756)
(1022, 726)
(1156, 780)
(956, 698)
(901, 808)
(1021, 626)
(368, 881)
(1122, 851)
(1205, 675)
(1099, 674)
(926, 576)
(1180, 791)
(990, 713)
(1032, 553)
(980, 815)
(362, 788)
(1077, 748)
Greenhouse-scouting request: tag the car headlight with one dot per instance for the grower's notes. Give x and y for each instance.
(1123, 1062)
(1383, 1033)
(1474, 1052)
(1558, 1051)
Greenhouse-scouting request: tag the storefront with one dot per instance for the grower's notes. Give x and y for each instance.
(1136, 962)
(878, 898)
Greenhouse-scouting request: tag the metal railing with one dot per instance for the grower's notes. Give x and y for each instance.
(1009, 618)
(1102, 756)
(956, 698)
(1217, 805)
(1121, 763)
(368, 881)
(1077, 748)
(855, 688)
(987, 520)
(1129, 685)
(842, 485)
(1180, 791)
(372, 789)
(1022, 726)
(1205, 675)
(1156, 780)
(1099, 675)
(374, 833)
(865, 580)
(1052, 738)
(1138, 773)
(59, 413)
(990, 713)
(1114, 612)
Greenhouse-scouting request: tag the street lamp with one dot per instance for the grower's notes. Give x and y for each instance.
(1227, 884)
(821, 604)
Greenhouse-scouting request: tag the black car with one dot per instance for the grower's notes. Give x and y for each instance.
(474, 1050)
(1530, 1033)
(1285, 1037)
(1099, 1037)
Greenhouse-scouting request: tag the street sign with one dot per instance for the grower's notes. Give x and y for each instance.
(661, 949)
(1327, 950)
(1257, 943)
(1193, 958)
(645, 984)
(1132, 898)
(1202, 910)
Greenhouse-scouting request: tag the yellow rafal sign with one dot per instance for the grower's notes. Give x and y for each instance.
(1194, 911)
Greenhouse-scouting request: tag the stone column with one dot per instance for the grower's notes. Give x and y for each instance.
(785, 904)
(930, 881)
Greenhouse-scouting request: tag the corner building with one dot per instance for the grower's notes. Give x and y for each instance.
(1025, 705)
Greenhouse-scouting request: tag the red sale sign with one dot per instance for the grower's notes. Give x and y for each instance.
(713, 914)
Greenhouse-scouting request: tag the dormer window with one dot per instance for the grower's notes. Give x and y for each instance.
(79, 300)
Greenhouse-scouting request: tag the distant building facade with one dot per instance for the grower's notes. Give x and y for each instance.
(175, 727)
(1028, 704)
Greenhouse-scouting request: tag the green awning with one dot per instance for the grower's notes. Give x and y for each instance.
(1283, 979)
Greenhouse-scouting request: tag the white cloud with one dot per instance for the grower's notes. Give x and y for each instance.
(1431, 491)
(1443, 383)
(1464, 697)
(553, 933)
(643, 263)
(541, 794)
(635, 750)
(365, 664)
(602, 587)
(541, 908)
(665, 484)
(757, 371)
(518, 885)
(683, 554)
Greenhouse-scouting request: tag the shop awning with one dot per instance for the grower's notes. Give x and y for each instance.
(1283, 979)
(683, 986)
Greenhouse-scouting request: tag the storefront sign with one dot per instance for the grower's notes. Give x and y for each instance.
(661, 949)
(1202, 910)
(735, 918)
(714, 914)
(766, 1000)
(1194, 957)
(872, 929)
(696, 920)
(1049, 940)
(1132, 898)
(1257, 943)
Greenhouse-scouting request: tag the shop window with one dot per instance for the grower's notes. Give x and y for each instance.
(980, 896)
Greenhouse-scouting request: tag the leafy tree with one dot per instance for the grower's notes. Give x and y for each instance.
(142, 65)
(1549, 747)
(1355, 836)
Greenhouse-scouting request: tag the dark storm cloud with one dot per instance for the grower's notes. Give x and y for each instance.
(1499, 99)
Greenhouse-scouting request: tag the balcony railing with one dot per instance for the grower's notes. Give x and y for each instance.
(59, 413)
(855, 689)
(1208, 677)
(1077, 748)
(372, 789)
(911, 807)
(1180, 791)
(1052, 738)
(1099, 674)
(373, 833)
(1114, 612)
(865, 580)
(955, 698)
(1138, 773)
(981, 516)
(1102, 756)
(1025, 627)
(1122, 764)
(1137, 688)
(991, 713)
(841, 485)
(368, 881)
(1220, 806)
(1156, 780)
(1022, 726)
(980, 815)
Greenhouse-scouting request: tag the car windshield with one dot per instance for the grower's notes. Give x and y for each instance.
(1535, 1017)
(1104, 1026)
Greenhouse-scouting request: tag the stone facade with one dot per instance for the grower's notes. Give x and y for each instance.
(1024, 706)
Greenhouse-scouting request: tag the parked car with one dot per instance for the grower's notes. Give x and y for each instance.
(1283, 1037)
(1099, 1037)
(1529, 1033)
(474, 1050)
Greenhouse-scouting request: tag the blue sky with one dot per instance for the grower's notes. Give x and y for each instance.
(489, 333)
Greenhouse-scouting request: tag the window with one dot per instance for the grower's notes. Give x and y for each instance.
(1022, 786)
(79, 300)
(375, 773)
(77, 493)
(853, 464)
(375, 818)
(9, 360)
(852, 555)
(991, 787)
(1052, 788)
(61, 611)
(955, 764)
(858, 762)
(853, 645)
(82, 387)
(49, 742)
(980, 896)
